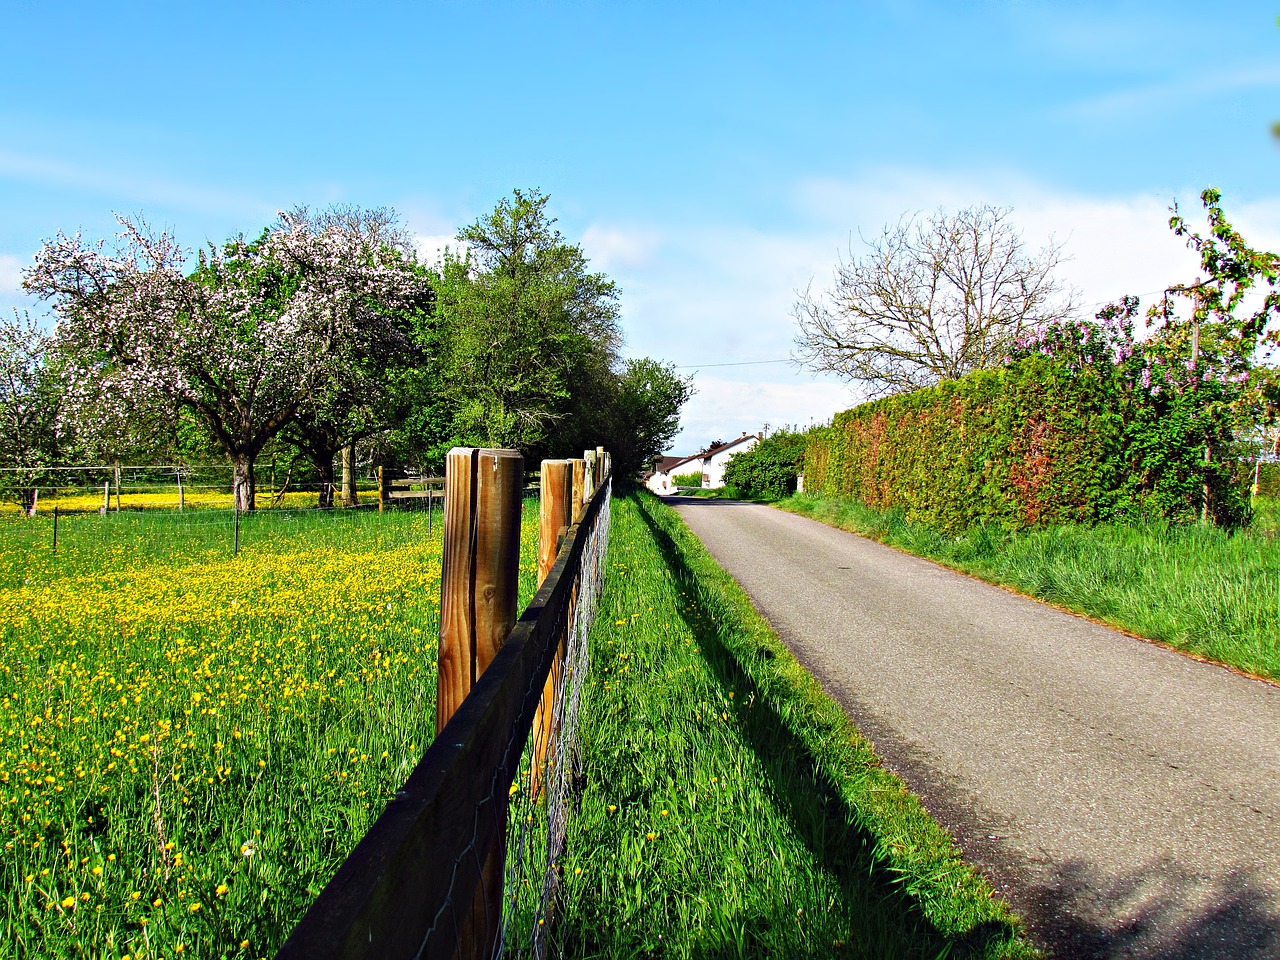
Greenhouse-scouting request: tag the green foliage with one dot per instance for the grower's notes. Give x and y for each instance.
(521, 326)
(693, 479)
(641, 415)
(1087, 422)
(768, 470)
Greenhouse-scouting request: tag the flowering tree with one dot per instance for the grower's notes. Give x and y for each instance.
(1191, 383)
(30, 403)
(247, 340)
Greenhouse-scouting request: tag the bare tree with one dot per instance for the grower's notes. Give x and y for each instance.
(931, 300)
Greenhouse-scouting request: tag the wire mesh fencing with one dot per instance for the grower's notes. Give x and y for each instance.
(465, 861)
(549, 790)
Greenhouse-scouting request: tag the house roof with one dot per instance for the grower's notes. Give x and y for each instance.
(670, 465)
(722, 447)
(664, 464)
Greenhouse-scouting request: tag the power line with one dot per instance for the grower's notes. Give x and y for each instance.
(740, 363)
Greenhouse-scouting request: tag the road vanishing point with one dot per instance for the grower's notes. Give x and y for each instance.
(1123, 798)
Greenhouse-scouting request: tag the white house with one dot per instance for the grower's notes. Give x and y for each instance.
(664, 468)
(710, 462)
(716, 457)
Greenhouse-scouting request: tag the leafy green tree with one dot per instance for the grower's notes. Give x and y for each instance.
(643, 413)
(521, 325)
(768, 471)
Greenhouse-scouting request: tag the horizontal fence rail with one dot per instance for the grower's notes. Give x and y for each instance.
(416, 885)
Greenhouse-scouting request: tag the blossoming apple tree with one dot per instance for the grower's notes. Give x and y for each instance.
(259, 331)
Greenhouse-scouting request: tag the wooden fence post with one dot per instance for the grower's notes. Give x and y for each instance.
(580, 496)
(479, 579)
(382, 488)
(555, 514)
(349, 475)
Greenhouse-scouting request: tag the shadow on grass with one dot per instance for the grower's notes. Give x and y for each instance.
(812, 799)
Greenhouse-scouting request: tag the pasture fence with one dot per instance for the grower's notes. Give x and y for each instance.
(465, 861)
(190, 503)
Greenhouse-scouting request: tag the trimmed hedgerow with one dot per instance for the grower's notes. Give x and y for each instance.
(1082, 425)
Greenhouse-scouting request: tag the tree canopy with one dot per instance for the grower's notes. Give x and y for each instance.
(520, 325)
(930, 300)
(245, 342)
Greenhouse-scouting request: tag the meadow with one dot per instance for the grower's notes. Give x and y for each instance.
(191, 741)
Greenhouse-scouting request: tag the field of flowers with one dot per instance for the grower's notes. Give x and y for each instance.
(166, 498)
(190, 742)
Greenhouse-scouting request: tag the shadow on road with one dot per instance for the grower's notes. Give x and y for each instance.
(1158, 911)
(810, 797)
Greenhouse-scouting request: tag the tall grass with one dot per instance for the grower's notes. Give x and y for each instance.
(731, 809)
(190, 741)
(1197, 588)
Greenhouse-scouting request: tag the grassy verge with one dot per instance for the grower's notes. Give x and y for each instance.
(190, 741)
(1196, 588)
(731, 809)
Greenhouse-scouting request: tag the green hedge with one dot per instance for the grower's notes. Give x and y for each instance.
(1038, 441)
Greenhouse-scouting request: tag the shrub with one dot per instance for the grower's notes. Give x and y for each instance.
(1085, 423)
(767, 471)
(687, 479)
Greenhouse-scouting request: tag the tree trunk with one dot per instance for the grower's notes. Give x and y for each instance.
(243, 483)
(324, 470)
(349, 475)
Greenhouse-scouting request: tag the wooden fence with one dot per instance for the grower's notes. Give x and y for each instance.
(426, 880)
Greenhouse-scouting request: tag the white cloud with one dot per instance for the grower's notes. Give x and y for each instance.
(10, 273)
(430, 247)
(612, 248)
(1144, 100)
(723, 292)
(723, 408)
(128, 187)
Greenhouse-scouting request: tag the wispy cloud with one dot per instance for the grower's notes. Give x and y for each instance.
(1171, 94)
(119, 188)
(611, 247)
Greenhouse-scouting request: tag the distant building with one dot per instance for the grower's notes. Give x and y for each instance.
(664, 468)
(710, 463)
(716, 457)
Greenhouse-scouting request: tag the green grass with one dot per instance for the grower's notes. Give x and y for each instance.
(191, 742)
(731, 809)
(1196, 588)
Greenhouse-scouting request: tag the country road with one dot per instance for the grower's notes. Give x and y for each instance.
(1123, 798)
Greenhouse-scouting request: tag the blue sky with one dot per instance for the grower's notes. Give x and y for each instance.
(714, 158)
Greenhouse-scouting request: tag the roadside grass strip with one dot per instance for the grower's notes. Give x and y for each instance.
(1197, 588)
(191, 742)
(731, 809)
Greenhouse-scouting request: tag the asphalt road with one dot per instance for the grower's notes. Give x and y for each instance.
(1123, 798)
